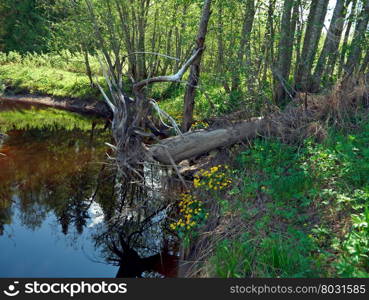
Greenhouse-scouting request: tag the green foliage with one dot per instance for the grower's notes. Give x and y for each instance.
(43, 119)
(48, 74)
(24, 26)
(272, 256)
(63, 60)
(274, 168)
(301, 205)
(306, 209)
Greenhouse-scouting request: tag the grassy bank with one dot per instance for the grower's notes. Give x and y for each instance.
(59, 75)
(46, 119)
(285, 211)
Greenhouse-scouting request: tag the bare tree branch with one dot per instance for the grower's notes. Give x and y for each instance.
(172, 78)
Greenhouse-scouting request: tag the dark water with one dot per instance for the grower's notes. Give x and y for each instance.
(59, 211)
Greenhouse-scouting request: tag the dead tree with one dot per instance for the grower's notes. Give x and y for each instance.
(130, 116)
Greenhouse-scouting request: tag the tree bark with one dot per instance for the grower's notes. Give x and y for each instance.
(244, 49)
(331, 43)
(365, 63)
(298, 37)
(315, 24)
(269, 43)
(189, 99)
(346, 38)
(282, 70)
(357, 43)
(87, 65)
(193, 144)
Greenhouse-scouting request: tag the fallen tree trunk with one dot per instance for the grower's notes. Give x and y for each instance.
(306, 116)
(192, 144)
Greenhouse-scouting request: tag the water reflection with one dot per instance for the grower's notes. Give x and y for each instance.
(65, 213)
(133, 237)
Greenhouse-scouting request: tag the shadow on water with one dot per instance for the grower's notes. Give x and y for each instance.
(63, 210)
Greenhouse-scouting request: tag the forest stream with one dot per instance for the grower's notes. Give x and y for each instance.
(60, 215)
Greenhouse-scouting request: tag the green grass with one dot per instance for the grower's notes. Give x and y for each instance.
(48, 74)
(64, 75)
(306, 210)
(46, 81)
(44, 119)
(214, 102)
(273, 256)
(64, 60)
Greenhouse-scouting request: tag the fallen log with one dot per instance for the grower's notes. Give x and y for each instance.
(304, 117)
(195, 143)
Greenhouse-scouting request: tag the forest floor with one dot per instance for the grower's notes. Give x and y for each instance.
(294, 204)
(284, 210)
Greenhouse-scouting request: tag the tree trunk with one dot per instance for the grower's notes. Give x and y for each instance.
(142, 22)
(296, 121)
(346, 38)
(180, 33)
(365, 63)
(189, 99)
(332, 59)
(269, 42)
(282, 70)
(244, 49)
(331, 43)
(354, 58)
(298, 37)
(315, 24)
(125, 23)
(87, 65)
(193, 144)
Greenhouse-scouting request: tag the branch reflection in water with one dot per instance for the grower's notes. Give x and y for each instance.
(58, 175)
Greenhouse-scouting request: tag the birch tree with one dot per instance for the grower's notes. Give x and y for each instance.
(317, 13)
(194, 77)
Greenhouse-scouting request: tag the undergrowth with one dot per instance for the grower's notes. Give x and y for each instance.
(48, 74)
(295, 211)
(45, 118)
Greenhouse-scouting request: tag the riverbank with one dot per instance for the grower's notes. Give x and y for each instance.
(56, 75)
(88, 107)
(271, 208)
(282, 210)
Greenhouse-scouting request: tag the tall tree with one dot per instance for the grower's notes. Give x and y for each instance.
(331, 43)
(244, 48)
(317, 13)
(344, 46)
(355, 53)
(285, 49)
(189, 99)
(334, 58)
